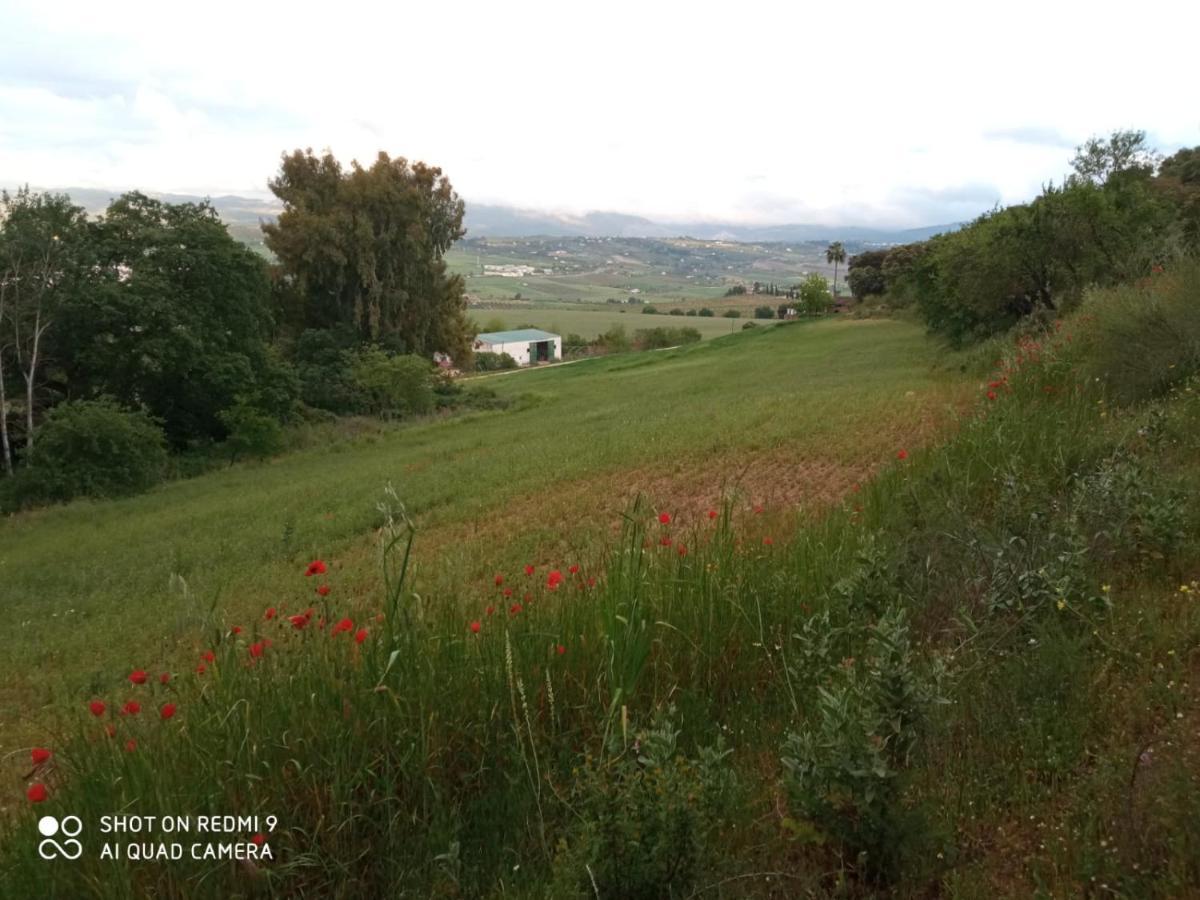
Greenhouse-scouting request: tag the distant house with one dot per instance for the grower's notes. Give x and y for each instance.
(528, 346)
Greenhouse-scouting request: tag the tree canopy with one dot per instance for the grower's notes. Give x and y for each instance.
(364, 249)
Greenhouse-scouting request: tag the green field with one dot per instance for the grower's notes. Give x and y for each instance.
(590, 323)
(787, 417)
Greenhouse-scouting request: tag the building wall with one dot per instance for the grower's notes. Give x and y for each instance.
(519, 350)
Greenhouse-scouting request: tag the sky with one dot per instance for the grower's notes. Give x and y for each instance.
(884, 114)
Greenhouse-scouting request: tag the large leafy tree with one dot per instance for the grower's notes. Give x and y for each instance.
(174, 319)
(364, 249)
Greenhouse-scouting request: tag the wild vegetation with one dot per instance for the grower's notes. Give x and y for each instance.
(823, 609)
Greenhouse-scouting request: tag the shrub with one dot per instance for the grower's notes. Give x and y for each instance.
(649, 309)
(764, 312)
(690, 312)
(615, 340)
(394, 386)
(658, 338)
(648, 812)
(814, 294)
(705, 311)
(749, 325)
(252, 432)
(732, 314)
(844, 767)
(323, 361)
(494, 362)
(93, 448)
(676, 312)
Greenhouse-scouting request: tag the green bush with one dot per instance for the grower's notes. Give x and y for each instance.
(323, 361)
(648, 814)
(764, 312)
(676, 312)
(648, 309)
(494, 362)
(252, 432)
(92, 448)
(706, 312)
(732, 314)
(690, 312)
(658, 338)
(394, 386)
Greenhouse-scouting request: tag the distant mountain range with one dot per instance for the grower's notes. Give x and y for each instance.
(486, 220)
(483, 220)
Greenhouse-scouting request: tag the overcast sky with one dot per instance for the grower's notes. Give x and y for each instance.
(889, 114)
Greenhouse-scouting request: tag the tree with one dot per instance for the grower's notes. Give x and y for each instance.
(814, 294)
(173, 317)
(864, 273)
(836, 254)
(43, 247)
(1099, 159)
(365, 248)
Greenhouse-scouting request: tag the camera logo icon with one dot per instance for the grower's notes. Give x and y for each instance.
(69, 828)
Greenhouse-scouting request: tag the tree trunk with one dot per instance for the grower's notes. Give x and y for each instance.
(30, 381)
(4, 445)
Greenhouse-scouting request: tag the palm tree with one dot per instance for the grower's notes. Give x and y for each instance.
(836, 254)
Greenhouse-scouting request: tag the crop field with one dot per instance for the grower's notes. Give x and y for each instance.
(789, 417)
(591, 322)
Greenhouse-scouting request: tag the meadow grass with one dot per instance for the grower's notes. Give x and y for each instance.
(973, 676)
(91, 585)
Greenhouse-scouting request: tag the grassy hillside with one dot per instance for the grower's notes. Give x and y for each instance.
(833, 651)
(590, 323)
(781, 418)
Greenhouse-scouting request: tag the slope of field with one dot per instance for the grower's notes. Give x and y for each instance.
(793, 414)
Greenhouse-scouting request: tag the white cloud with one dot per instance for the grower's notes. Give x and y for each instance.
(881, 112)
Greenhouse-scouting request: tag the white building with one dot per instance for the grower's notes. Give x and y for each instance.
(528, 346)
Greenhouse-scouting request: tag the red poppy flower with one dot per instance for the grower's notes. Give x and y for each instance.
(208, 656)
(270, 614)
(902, 454)
(132, 708)
(991, 395)
(475, 626)
(97, 707)
(360, 636)
(561, 649)
(138, 676)
(256, 650)
(508, 592)
(316, 567)
(201, 669)
(236, 629)
(758, 510)
(592, 582)
(323, 590)
(167, 710)
(712, 513)
(554, 579)
(258, 839)
(490, 610)
(529, 570)
(574, 570)
(514, 609)
(665, 541)
(682, 550)
(164, 678)
(664, 518)
(343, 625)
(39, 755)
(36, 793)
(499, 580)
(299, 621)
(130, 745)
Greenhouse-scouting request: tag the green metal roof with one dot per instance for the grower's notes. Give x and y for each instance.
(514, 337)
